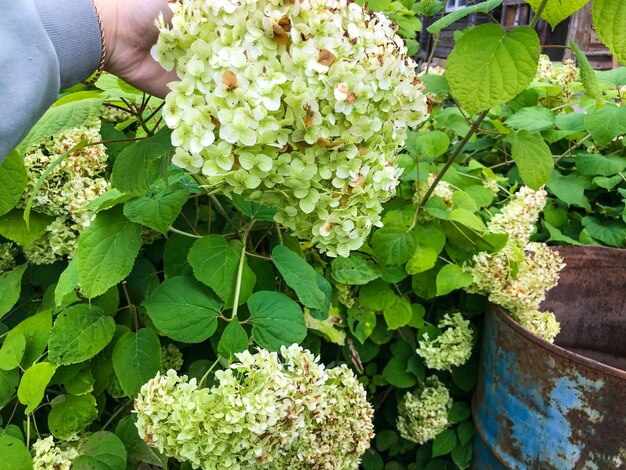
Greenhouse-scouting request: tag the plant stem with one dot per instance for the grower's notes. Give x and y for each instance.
(432, 52)
(206, 374)
(242, 260)
(537, 17)
(279, 232)
(448, 164)
(569, 151)
(180, 232)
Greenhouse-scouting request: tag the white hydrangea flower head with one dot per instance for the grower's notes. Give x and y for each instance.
(65, 192)
(560, 74)
(423, 413)
(301, 106)
(266, 411)
(453, 347)
(47, 455)
(542, 324)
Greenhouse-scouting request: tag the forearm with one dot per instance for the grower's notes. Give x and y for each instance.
(45, 45)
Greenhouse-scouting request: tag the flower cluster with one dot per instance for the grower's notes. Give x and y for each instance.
(559, 74)
(66, 190)
(171, 357)
(518, 276)
(453, 347)
(301, 106)
(8, 251)
(444, 190)
(47, 455)
(266, 411)
(423, 414)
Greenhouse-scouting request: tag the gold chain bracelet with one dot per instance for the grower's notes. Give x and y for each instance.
(96, 75)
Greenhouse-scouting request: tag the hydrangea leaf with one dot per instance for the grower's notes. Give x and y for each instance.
(158, 211)
(71, 414)
(396, 373)
(606, 124)
(398, 314)
(234, 339)
(354, 270)
(300, 276)
(444, 443)
(106, 252)
(462, 455)
(611, 233)
(13, 454)
(609, 20)
(13, 227)
(361, 323)
(102, 451)
(215, 262)
(8, 385)
(533, 159)
(136, 359)
(532, 119)
(489, 65)
(11, 287)
(556, 11)
(68, 281)
(570, 188)
(79, 333)
(392, 245)
(138, 450)
(12, 351)
(452, 277)
(456, 15)
(36, 331)
(33, 385)
(277, 320)
(13, 180)
(196, 307)
(175, 256)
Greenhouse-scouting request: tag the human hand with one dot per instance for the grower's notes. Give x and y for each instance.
(130, 31)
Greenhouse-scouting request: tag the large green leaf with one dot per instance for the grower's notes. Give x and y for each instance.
(102, 451)
(158, 211)
(79, 333)
(14, 454)
(215, 262)
(175, 256)
(60, 118)
(8, 385)
(136, 359)
(609, 20)
(234, 339)
(71, 414)
(138, 450)
(277, 320)
(607, 123)
(354, 270)
(444, 443)
(12, 181)
(68, 280)
(489, 65)
(599, 165)
(612, 232)
(12, 351)
(392, 245)
(452, 277)
(300, 276)
(106, 252)
(556, 11)
(11, 287)
(13, 227)
(33, 385)
(398, 314)
(36, 331)
(456, 15)
(184, 309)
(532, 119)
(533, 159)
(570, 188)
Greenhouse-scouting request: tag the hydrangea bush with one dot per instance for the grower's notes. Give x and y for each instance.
(301, 106)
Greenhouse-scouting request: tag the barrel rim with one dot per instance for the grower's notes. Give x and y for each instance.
(602, 256)
(554, 349)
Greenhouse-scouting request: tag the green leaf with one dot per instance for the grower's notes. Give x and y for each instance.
(158, 211)
(465, 431)
(33, 385)
(106, 252)
(557, 236)
(136, 359)
(36, 330)
(13, 454)
(79, 333)
(436, 84)
(215, 261)
(444, 443)
(609, 232)
(300, 276)
(184, 310)
(452, 277)
(234, 339)
(13, 227)
(392, 245)
(456, 15)
(599, 165)
(587, 74)
(8, 385)
(71, 414)
(533, 159)
(327, 328)
(361, 323)
(102, 451)
(462, 455)
(109, 199)
(385, 439)
(377, 295)
(138, 450)
(277, 320)
(488, 66)
(432, 143)
(467, 218)
(12, 351)
(354, 270)
(68, 281)
(615, 77)
(570, 188)
(399, 314)
(556, 11)
(423, 259)
(138, 165)
(13, 180)
(254, 210)
(460, 411)
(607, 123)
(11, 288)
(532, 119)
(60, 118)
(609, 20)
(396, 373)
(175, 256)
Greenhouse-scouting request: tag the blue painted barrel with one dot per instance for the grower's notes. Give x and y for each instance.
(561, 406)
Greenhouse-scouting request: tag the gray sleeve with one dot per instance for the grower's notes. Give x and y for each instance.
(45, 45)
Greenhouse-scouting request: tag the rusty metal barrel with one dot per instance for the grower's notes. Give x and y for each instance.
(562, 406)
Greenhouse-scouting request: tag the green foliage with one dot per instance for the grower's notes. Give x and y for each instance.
(14, 454)
(556, 11)
(102, 451)
(533, 158)
(456, 15)
(609, 20)
(136, 359)
(12, 181)
(276, 320)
